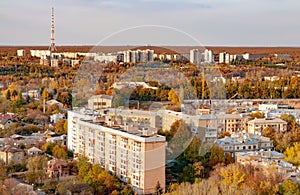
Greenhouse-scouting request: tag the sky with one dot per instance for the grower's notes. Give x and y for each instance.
(152, 22)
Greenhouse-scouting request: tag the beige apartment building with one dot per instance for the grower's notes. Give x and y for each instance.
(235, 122)
(100, 102)
(135, 156)
(257, 125)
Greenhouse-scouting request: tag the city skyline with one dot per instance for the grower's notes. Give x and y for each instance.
(192, 22)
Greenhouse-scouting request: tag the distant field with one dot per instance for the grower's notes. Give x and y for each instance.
(293, 51)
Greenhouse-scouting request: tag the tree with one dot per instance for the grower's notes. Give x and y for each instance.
(257, 115)
(188, 174)
(158, 189)
(45, 94)
(36, 169)
(191, 153)
(198, 169)
(173, 97)
(83, 167)
(48, 148)
(8, 95)
(292, 154)
(216, 156)
(289, 187)
(269, 132)
(127, 190)
(289, 119)
(66, 126)
(233, 176)
(59, 152)
(60, 127)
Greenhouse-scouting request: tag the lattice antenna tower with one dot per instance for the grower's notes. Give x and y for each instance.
(52, 45)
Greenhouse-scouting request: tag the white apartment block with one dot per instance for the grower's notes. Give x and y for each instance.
(133, 155)
(257, 125)
(208, 56)
(39, 53)
(21, 52)
(196, 56)
(138, 56)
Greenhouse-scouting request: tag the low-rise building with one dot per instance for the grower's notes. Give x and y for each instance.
(57, 168)
(11, 154)
(257, 125)
(264, 160)
(61, 140)
(54, 118)
(34, 151)
(34, 94)
(244, 142)
(6, 120)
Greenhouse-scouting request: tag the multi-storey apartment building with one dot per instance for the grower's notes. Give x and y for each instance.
(135, 156)
(235, 122)
(100, 102)
(257, 125)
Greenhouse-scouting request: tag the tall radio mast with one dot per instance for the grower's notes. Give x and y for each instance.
(52, 45)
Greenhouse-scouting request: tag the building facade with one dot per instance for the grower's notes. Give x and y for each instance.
(100, 102)
(257, 125)
(244, 142)
(135, 156)
(11, 154)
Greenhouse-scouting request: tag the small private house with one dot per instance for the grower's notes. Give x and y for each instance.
(57, 168)
(34, 151)
(6, 120)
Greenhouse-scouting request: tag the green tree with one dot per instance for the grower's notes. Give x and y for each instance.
(48, 148)
(217, 156)
(191, 153)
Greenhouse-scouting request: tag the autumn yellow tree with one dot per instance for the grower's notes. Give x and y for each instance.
(233, 176)
(60, 127)
(292, 154)
(172, 96)
(59, 152)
